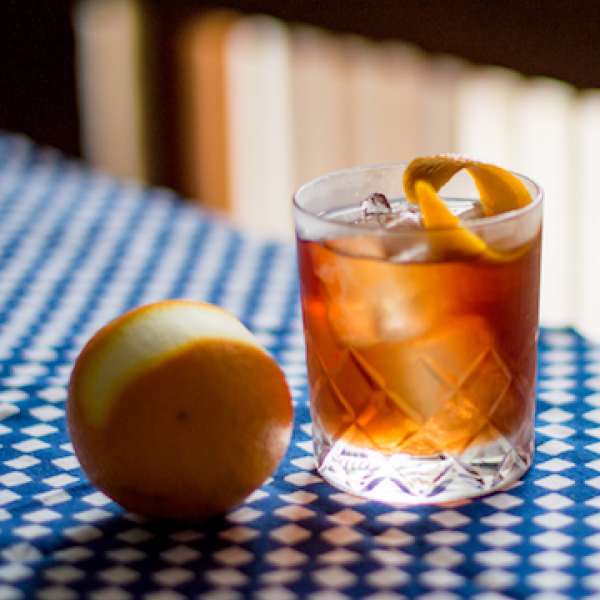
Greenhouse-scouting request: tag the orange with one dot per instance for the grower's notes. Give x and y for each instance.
(176, 411)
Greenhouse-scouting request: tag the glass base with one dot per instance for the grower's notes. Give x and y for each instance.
(407, 479)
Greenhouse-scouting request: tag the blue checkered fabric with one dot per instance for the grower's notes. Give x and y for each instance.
(78, 248)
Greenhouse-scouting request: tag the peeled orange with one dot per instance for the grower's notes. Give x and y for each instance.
(176, 411)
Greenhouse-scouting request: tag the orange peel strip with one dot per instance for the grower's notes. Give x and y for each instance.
(499, 191)
(452, 236)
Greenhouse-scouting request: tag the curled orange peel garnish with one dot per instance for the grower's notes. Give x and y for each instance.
(451, 236)
(500, 191)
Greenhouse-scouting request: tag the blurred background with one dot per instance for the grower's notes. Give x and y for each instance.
(236, 103)
(559, 39)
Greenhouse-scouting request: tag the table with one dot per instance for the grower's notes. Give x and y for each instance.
(77, 248)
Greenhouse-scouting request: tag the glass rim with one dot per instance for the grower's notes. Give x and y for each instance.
(474, 223)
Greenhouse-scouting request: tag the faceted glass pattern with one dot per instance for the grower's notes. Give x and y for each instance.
(418, 465)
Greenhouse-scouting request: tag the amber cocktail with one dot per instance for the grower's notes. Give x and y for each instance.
(421, 350)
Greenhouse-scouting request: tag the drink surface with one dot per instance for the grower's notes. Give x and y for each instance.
(416, 353)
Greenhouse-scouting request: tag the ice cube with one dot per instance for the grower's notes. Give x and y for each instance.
(355, 288)
(375, 204)
(407, 219)
(449, 380)
(375, 210)
(410, 245)
(407, 252)
(370, 299)
(469, 211)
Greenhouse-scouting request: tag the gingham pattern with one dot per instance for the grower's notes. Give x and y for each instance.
(77, 249)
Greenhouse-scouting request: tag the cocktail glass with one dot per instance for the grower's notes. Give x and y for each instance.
(421, 363)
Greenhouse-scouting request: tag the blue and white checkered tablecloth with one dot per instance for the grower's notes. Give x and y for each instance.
(78, 248)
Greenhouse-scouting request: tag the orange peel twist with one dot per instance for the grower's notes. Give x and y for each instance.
(500, 191)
